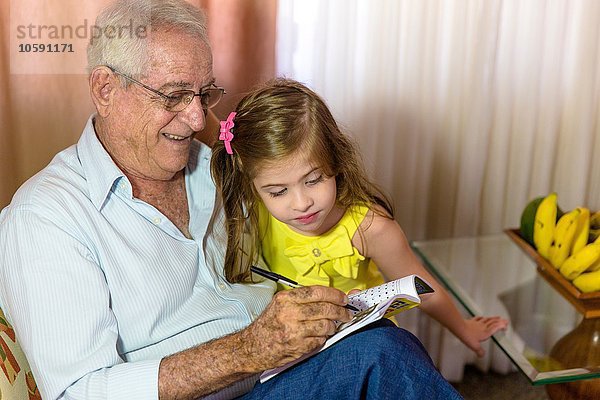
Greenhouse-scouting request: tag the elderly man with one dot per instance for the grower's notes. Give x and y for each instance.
(111, 257)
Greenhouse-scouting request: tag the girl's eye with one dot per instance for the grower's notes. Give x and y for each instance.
(315, 181)
(276, 194)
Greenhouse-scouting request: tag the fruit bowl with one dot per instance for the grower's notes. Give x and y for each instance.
(587, 304)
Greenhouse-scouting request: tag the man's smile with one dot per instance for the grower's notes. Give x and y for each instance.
(176, 137)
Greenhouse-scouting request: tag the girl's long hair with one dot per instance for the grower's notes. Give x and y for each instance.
(280, 118)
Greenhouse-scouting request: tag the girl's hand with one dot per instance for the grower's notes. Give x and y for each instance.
(479, 329)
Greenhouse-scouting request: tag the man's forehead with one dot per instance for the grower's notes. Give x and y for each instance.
(180, 56)
(177, 45)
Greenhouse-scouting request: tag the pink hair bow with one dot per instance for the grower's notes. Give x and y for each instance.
(226, 136)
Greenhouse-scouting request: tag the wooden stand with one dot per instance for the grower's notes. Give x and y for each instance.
(581, 346)
(588, 304)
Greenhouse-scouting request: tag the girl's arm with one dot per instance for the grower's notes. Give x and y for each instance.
(386, 244)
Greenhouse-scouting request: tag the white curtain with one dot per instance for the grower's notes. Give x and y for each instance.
(464, 110)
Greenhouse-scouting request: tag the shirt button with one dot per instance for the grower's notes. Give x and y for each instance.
(156, 221)
(222, 286)
(122, 185)
(254, 315)
(317, 252)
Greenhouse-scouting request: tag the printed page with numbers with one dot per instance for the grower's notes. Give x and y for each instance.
(373, 304)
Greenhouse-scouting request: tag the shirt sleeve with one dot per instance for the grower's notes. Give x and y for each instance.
(56, 296)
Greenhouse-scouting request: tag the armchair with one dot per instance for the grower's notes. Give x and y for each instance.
(16, 379)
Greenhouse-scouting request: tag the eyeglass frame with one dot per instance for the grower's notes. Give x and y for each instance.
(167, 97)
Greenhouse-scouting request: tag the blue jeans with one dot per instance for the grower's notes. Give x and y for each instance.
(378, 362)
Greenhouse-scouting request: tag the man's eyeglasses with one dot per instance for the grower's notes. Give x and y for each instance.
(180, 99)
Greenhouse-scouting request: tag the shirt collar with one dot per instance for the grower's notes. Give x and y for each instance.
(99, 169)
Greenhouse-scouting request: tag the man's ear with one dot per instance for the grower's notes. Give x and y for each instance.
(103, 84)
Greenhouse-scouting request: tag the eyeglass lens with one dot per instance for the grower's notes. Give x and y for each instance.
(179, 100)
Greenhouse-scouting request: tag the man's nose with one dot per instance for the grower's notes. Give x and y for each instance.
(194, 115)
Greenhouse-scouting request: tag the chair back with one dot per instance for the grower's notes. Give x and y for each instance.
(16, 379)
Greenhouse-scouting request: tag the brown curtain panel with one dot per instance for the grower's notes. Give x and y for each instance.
(44, 99)
(8, 178)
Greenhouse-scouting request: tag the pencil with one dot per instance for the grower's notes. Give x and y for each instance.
(287, 282)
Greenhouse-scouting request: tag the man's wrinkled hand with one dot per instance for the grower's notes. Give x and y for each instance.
(295, 323)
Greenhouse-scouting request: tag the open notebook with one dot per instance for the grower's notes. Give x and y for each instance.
(373, 304)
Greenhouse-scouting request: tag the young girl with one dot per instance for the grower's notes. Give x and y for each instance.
(295, 183)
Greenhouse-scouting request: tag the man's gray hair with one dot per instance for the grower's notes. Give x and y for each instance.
(122, 30)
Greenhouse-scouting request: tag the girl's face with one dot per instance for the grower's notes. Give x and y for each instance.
(299, 194)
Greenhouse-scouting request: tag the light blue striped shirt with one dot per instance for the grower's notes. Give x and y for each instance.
(100, 286)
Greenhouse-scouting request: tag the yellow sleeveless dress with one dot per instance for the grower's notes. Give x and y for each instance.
(328, 259)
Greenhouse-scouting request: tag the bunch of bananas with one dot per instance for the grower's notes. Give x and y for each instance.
(570, 240)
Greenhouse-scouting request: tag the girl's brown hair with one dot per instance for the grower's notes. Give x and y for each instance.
(278, 119)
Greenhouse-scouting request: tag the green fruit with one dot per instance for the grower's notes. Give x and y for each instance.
(528, 219)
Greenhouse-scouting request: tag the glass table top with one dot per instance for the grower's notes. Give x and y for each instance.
(491, 275)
